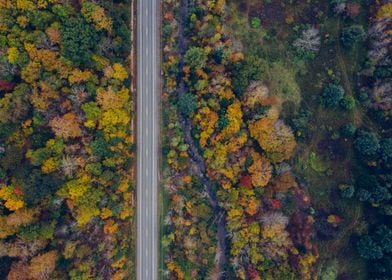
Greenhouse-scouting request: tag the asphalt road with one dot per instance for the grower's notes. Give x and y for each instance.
(148, 81)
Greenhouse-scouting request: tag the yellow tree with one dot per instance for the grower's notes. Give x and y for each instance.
(42, 95)
(31, 72)
(120, 73)
(13, 199)
(207, 119)
(96, 14)
(260, 170)
(273, 136)
(108, 99)
(12, 54)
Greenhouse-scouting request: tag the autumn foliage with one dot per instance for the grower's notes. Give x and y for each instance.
(239, 144)
(66, 186)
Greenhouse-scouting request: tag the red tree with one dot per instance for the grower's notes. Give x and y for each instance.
(6, 86)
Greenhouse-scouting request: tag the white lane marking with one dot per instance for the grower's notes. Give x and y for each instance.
(154, 69)
(139, 167)
(154, 41)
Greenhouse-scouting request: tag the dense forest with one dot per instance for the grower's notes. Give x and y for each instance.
(276, 140)
(66, 141)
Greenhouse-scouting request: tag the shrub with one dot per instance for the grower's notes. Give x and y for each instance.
(347, 191)
(255, 22)
(363, 95)
(330, 272)
(352, 34)
(348, 103)
(347, 130)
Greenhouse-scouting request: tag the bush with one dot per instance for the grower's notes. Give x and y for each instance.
(332, 96)
(347, 130)
(352, 34)
(255, 22)
(330, 272)
(347, 191)
(166, 30)
(363, 95)
(348, 103)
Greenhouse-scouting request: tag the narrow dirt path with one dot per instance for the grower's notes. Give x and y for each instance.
(359, 117)
(193, 150)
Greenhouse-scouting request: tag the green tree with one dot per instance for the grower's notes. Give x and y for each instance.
(386, 150)
(40, 19)
(368, 249)
(79, 40)
(64, 10)
(99, 146)
(366, 144)
(196, 58)
(92, 111)
(94, 168)
(330, 272)
(383, 235)
(379, 195)
(187, 104)
(332, 95)
(252, 68)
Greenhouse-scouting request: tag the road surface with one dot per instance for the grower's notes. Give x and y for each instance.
(148, 81)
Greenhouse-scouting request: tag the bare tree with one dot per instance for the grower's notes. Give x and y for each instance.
(309, 41)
